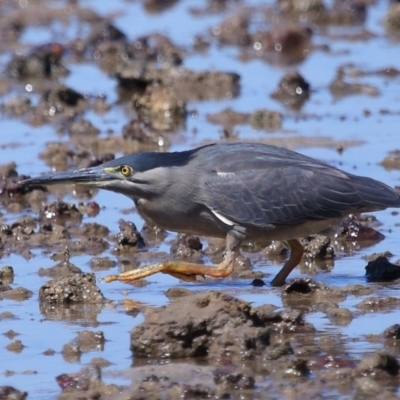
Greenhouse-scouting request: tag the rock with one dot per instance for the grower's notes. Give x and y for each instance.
(73, 288)
(382, 270)
(203, 325)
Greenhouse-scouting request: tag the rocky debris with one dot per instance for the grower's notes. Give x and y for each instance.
(306, 287)
(353, 230)
(382, 270)
(86, 384)
(213, 325)
(284, 44)
(43, 62)
(129, 238)
(392, 161)
(233, 30)
(265, 120)
(392, 20)
(340, 88)
(63, 268)
(18, 106)
(380, 366)
(176, 292)
(60, 212)
(348, 12)
(16, 346)
(73, 288)
(59, 101)
(102, 263)
(161, 106)
(372, 257)
(235, 381)
(90, 229)
(186, 246)
(7, 274)
(83, 127)
(262, 119)
(393, 332)
(186, 84)
(142, 131)
(105, 32)
(310, 9)
(373, 304)
(17, 294)
(317, 247)
(84, 342)
(276, 351)
(91, 208)
(293, 91)
(10, 393)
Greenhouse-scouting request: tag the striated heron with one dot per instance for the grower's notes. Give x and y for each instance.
(238, 191)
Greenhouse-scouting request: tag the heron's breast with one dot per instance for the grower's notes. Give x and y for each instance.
(174, 217)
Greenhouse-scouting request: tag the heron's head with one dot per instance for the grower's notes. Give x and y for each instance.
(136, 175)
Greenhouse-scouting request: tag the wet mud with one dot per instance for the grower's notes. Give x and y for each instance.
(82, 83)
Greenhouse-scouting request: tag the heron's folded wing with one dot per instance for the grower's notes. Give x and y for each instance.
(280, 196)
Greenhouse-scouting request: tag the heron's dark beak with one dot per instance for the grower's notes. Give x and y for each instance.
(94, 176)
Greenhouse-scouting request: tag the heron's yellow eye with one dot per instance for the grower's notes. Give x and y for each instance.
(126, 170)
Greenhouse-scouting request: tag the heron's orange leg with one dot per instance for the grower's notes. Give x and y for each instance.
(296, 252)
(179, 269)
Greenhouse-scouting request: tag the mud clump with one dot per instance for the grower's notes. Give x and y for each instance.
(211, 324)
(187, 246)
(129, 238)
(60, 212)
(140, 130)
(63, 268)
(317, 246)
(73, 288)
(392, 20)
(87, 384)
(43, 62)
(353, 229)
(340, 88)
(309, 287)
(293, 91)
(17, 294)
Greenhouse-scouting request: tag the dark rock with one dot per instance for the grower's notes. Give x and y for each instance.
(129, 238)
(293, 90)
(382, 270)
(10, 393)
(351, 230)
(379, 365)
(258, 282)
(393, 332)
(186, 246)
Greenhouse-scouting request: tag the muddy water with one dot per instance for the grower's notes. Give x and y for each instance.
(354, 131)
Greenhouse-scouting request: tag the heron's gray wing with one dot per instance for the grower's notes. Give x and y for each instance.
(279, 196)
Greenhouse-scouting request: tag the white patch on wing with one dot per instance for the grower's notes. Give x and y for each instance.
(223, 219)
(225, 173)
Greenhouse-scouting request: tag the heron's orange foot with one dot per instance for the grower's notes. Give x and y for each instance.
(179, 269)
